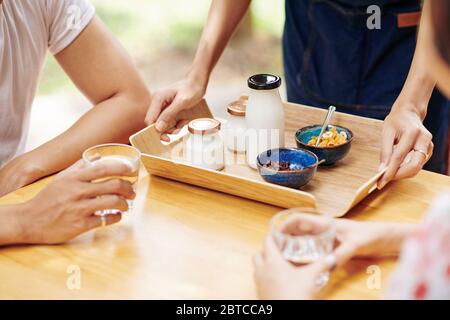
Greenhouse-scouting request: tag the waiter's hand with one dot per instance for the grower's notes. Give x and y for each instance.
(167, 103)
(406, 145)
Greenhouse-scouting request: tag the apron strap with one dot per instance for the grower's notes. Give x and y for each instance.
(409, 19)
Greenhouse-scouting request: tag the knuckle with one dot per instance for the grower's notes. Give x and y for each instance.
(427, 134)
(414, 129)
(80, 193)
(424, 131)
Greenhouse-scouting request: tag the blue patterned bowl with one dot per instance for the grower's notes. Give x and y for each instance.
(327, 155)
(302, 166)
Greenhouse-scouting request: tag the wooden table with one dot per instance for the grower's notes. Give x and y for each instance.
(185, 242)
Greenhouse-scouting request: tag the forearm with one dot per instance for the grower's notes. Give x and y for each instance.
(223, 19)
(111, 121)
(419, 85)
(10, 230)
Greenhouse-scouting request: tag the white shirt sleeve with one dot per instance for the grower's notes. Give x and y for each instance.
(66, 19)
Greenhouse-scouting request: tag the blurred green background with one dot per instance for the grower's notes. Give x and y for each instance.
(161, 31)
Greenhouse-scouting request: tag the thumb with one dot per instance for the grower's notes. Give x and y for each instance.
(167, 118)
(320, 266)
(158, 102)
(387, 148)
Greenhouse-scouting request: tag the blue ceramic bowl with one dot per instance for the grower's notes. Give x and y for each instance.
(302, 166)
(327, 155)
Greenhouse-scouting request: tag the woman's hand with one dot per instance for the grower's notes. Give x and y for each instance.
(167, 103)
(406, 144)
(369, 239)
(354, 238)
(66, 207)
(278, 279)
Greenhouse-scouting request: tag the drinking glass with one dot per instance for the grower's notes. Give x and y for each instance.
(115, 153)
(303, 247)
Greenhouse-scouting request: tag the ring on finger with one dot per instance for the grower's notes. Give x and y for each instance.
(103, 220)
(425, 154)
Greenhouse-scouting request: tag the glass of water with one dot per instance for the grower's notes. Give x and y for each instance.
(116, 153)
(303, 244)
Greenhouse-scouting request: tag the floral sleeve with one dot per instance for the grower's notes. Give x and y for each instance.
(424, 266)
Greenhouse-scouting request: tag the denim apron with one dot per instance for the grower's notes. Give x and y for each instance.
(332, 57)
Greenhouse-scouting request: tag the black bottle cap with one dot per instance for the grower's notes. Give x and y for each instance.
(264, 82)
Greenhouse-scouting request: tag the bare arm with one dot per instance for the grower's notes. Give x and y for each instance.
(223, 19)
(403, 132)
(103, 71)
(419, 85)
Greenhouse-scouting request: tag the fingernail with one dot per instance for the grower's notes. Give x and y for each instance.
(161, 126)
(165, 138)
(382, 184)
(382, 167)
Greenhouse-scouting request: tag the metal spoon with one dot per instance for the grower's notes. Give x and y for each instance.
(326, 122)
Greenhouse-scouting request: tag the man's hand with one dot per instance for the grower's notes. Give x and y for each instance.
(167, 103)
(406, 145)
(18, 173)
(66, 207)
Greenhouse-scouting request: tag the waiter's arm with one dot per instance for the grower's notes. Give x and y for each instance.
(104, 73)
(223, 19)
(404, 133)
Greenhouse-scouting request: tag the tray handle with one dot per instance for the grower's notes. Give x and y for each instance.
(148, 140)
(366, 190)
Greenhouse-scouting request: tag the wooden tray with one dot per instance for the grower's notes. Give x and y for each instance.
(334, 190)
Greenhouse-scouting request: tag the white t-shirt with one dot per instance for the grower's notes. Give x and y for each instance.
(27, 29)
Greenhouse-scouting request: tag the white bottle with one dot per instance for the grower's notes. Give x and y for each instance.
(264, 116)
(204, 147)
(236, 126)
